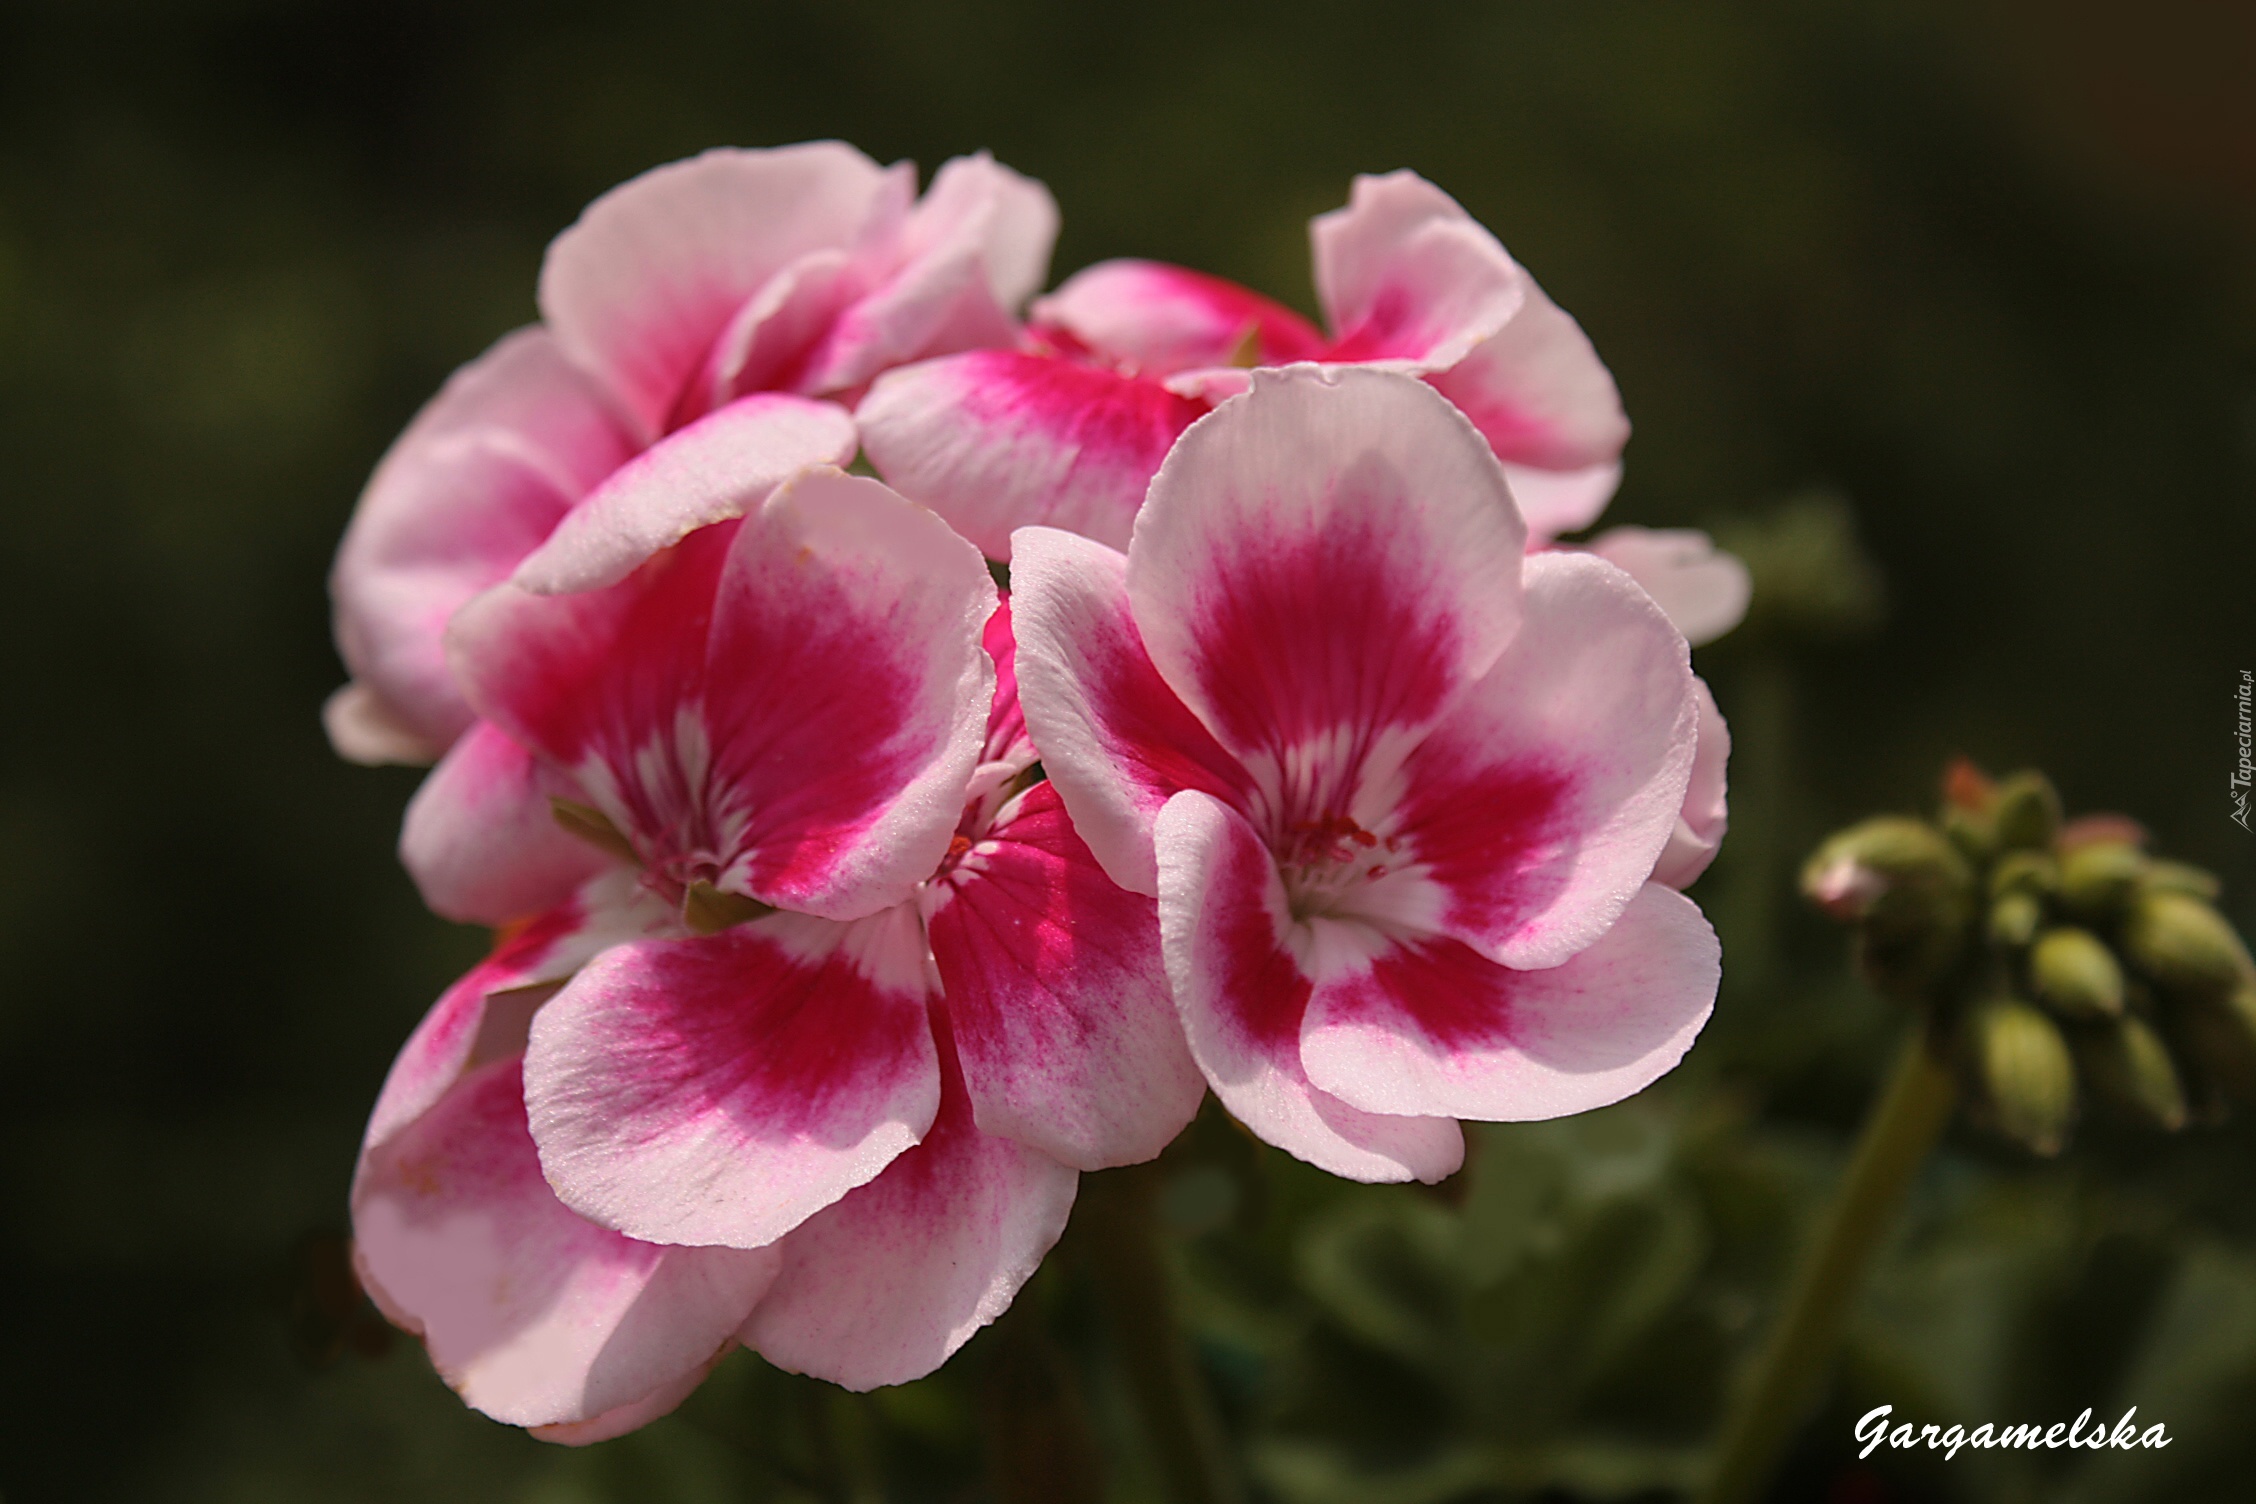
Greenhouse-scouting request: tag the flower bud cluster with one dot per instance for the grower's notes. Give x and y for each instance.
(2059, 961)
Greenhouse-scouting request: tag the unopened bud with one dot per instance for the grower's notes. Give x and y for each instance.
(2217, 1040)
(2097, 879)
(2075, 975)
(2032, 872)
(1968, 815)
(1908, 891)
(2127, 1063)
(2028, 1079)
(2014, 918)
(2086, 829)
(1966, 786)
(1886, 869)
(2186, 946)
(2025, 811)
(2180, 877)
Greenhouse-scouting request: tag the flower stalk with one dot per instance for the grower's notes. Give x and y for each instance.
(1903, 1127)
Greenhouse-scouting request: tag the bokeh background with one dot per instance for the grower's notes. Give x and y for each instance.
(1944, 315)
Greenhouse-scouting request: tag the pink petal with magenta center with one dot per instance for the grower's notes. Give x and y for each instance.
(1537, 390)
(481, 838)
(1409, 278)
(1057, 995)
(1325, 561)
(643, 285)
(484, 1016)
(477, 481)
(721, 1090)
(789, 707)
(996, 440)
(884, 1286)
(1432, 1027)
(1006, 719)
(1114, 738)
(1243, 995)
(971, 251)
(718, 468)
(1152, 319)
(534, 1315)
(1540, 804)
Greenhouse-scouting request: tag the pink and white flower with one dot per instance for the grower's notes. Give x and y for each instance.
(739, 301)
(834, 1030)
(1398, 787)
(1069, 430)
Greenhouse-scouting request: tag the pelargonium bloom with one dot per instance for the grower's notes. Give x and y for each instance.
(740, 295)
(818, 1059)
(1398, 786)
(1069, 430)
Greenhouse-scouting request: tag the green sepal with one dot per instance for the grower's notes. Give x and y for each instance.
(708, 910)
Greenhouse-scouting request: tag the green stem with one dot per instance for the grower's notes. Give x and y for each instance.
(1903, 1127)
(1122, 1247)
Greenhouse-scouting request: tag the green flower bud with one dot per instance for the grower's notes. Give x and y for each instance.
(2180, 877)
(2031, 872)
(2241, 1004)
(2014, 918)
(2216, 1038)
(2075, 975)
(1908, 891)
(2098, 879)
(2025, 812)
(2027, 1077)
(2126, 1062)
(2186, 946)
(1968, 815)
(1972, 831)
(1889, 871)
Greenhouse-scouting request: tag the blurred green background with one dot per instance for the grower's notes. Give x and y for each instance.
(1945, 315)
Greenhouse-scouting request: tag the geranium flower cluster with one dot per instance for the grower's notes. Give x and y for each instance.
(849, 907)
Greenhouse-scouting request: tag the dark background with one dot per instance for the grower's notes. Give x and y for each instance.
(1971, 283)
